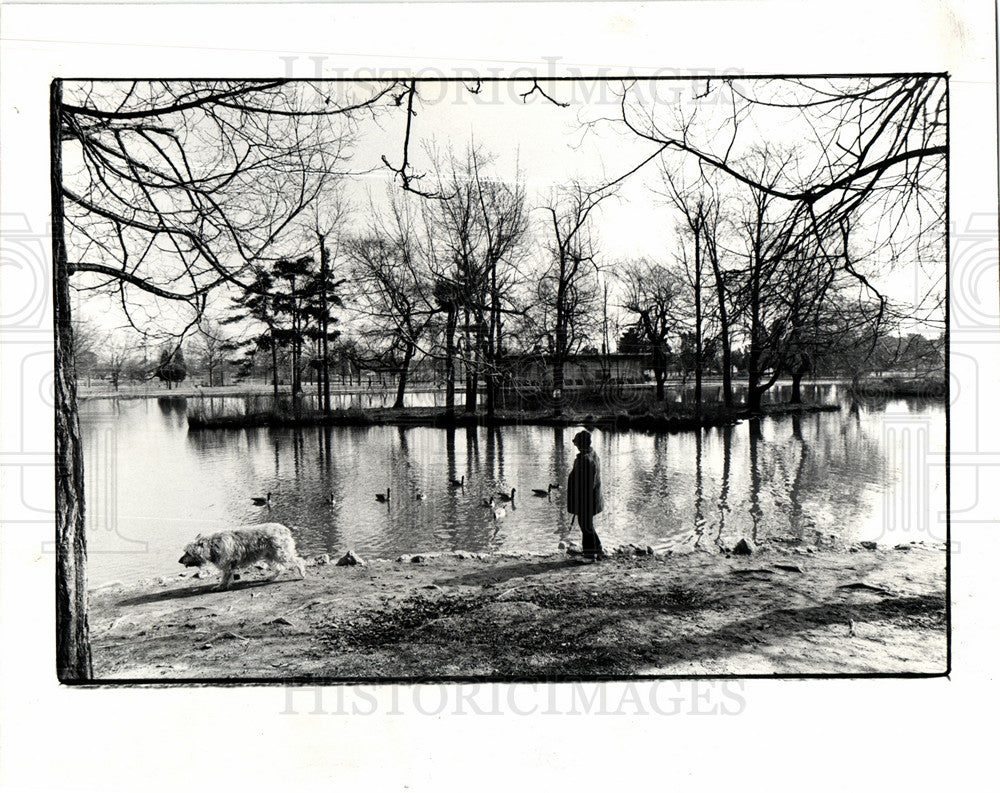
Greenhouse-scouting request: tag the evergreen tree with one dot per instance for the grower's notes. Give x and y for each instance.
(172, 368)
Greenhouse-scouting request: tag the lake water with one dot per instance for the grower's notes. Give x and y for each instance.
(871, 471)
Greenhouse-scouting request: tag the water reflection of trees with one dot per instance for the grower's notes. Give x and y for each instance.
(830, 478)
(172, 404)
(174, 409)
(699, 516)
(755, 476)
(762, 478)
(723, 503)
(795, 515)
(558, 472)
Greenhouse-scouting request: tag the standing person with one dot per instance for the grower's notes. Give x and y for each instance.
(583, 494)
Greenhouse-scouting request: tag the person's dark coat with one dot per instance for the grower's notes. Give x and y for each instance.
(583, 490)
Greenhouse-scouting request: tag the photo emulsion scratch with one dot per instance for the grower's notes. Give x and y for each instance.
(413, 379)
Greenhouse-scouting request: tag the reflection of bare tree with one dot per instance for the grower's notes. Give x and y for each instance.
(795, 515)
(471, 452)
(325, 437)
(699, 516)
(298, 451)
(404, 454)
(449, 450)
(727, 455)
(558, 469)
(412, 493)
(491, 452)
(832, 473)
(755, 510)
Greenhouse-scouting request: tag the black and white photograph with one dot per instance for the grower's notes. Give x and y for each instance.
(500, 379)
(449, 395)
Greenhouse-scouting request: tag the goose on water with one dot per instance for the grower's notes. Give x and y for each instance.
(261, 501)
(383, 498)
(492, 506)
(505, 496)
(458, 482)
(543, 493)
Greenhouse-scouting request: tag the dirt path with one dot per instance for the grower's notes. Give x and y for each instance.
(780, 611)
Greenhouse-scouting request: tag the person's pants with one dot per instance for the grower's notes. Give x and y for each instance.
(591, 542)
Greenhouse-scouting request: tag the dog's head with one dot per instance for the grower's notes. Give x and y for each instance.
(195, 553)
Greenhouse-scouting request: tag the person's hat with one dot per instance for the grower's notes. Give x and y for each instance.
(582, 440)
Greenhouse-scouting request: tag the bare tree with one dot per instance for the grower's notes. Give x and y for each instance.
(700, 209)
(568, 289)
(328, 217)
(722, 280)
(477, 225)
(769, 232)
(793, 284)
(117, 358)
(393, 287)
(85, 350)
(213, 349)
(865, 141)
(503, 216)
(652, 299)
(457, 272)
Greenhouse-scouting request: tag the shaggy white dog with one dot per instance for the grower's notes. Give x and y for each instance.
(232, 550)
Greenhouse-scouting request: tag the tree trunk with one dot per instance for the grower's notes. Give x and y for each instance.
(274, 368)
(496, 354)
(727, 354)
(558, 383)
(471, 361)
(753, 359)
(491, 394)
(491, 368)
(558, 358)
(697, 320)
(796, 388)
(403, 375)
(472, 394)
(471, 386)
(73, 659)
(324, 261)
(727, 370)
(449, 376)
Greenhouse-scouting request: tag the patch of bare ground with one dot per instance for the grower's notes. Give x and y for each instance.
(780, 611)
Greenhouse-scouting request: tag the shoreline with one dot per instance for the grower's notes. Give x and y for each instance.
(784, 610)
(713, 416)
